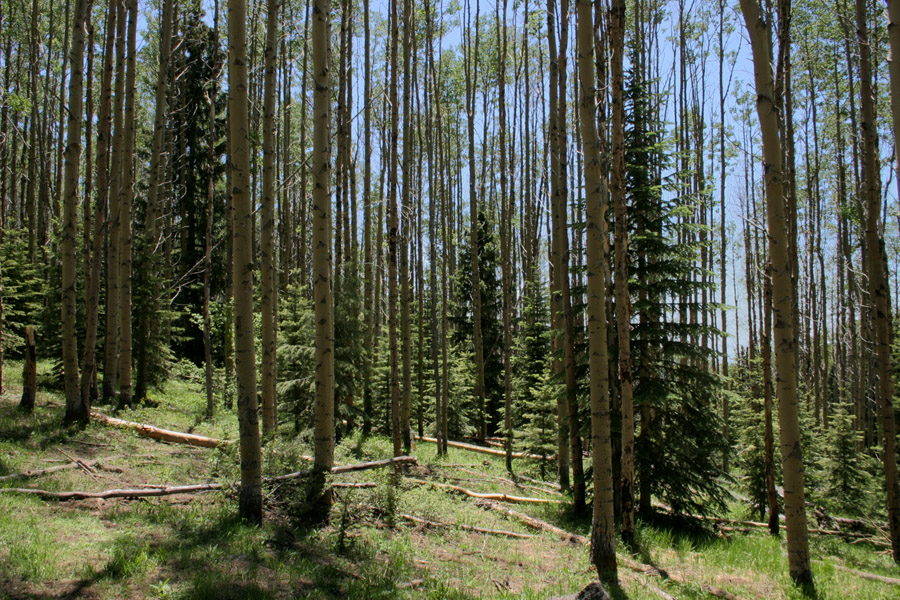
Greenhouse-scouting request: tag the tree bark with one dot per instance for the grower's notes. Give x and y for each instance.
(111, 346)
(758, 28)
(879, 289)
(268, 289)
(250, 498)
(126, 199)
(623, 300)
(603, 531)
(322, 265)
(76, 409)
(101, 216)
(29, 372)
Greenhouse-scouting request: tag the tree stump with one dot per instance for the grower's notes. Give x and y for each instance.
(29, 372)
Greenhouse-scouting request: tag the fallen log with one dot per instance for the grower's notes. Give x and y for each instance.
(375, 464)
(513, 483)
(869, 576)
(119, 493)
(429, 523)
(367, 484)
(168, 490)
(158, 433)
(549, 484)
(535, 523)
(664, 574)
(624, 560)
(501, 497)
(484, 450)
(38, 472)
(735, 525)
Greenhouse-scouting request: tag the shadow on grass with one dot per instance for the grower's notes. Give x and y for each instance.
(36, 430)
(214, 555)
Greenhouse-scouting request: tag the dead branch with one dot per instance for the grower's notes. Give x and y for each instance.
(119, 493)
(376, 464)
(167, 490)
(484, 450)
(869, 576)
(486, 496)
(38, 472)
(367, 484)
(429, 523)
(534, 523)
(624, 560)
(511, 482)
(663, 574)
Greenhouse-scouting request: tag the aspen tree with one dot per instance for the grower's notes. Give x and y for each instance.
(879, 289)
(210, 205)
(405, 237)
(76, 409)
(393, 236)
(250, 498)
(603, 531)
(146, 319)
(322, 265)
(471, 67)
(101, 214)
(268, 288)
(623, 302)
(126, 199)
(758, 27)
(111, 345)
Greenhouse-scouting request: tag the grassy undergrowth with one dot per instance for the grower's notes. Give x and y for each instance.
(194, 547)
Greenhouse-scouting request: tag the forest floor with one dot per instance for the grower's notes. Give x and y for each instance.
(193, 546)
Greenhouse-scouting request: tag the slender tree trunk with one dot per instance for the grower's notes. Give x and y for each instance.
(111, 346)
(76, 409)
(250, 498)
(505, 241)
(471, 60)
(322, 268)
(126, 199)
(879, 289)
(212, 95)
(768, 392)
(779, 253)
(623, 301)
(368, 275)
(147, 319)
(603, 531)
(405, 237)
(268, 289)
(723, 242)
(562, 407)
(393, 235)
(101, 217)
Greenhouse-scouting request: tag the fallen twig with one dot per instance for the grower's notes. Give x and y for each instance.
(167, 490)
(513, 483)
(368, 484)
(534, 523)
(376, 464)
(38, 472)
(484, 450)
(119, 493)
(428, 523)
(486, 496)
(869, 576)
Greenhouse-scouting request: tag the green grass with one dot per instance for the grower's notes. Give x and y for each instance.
(194, 547)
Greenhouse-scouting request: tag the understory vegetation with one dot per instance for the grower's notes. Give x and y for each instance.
(196, 547)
